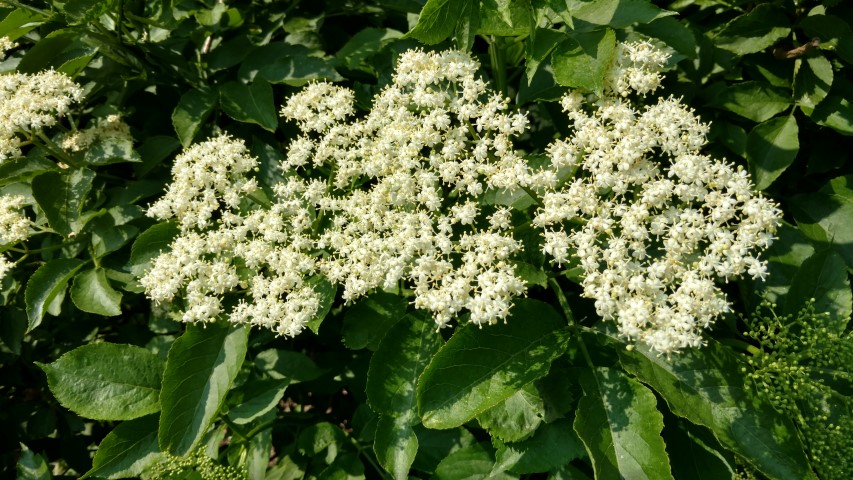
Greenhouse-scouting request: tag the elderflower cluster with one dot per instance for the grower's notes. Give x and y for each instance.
(14, 227)
(435, 139)
(111, 127)
(30, 102)
(6, 44)
(207, 176)
(654, 223)
(222, 247)
(400, 206)
(637, 69)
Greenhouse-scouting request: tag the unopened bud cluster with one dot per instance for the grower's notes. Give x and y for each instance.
(801, 366)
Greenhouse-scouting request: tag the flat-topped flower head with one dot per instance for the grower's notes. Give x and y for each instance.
(658, 223)
(435, 139)
(30, 102)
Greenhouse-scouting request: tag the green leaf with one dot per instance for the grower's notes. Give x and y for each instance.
(249, 103)
(730, 135)
(75, 66)
(284, 364)
(435, 445)
(46, 284)
(359, 49)
(200, 368)
(505, 18)
(48, 52)
(108, 237)
(835, 112)
(467, 26)
(832, 209)
(327, 291)
(784, 257)
(91, 292)
(127, 450)
(111, 150)
(755, 30)
(468, 463)
(619, 13)
(708, 387)
(192, 110)
(85, 11)
(31, 466)
(61, 196)
(695, 454)
(369, 319)
(553, 445)
(12, 328)
(260, 446)
(812, 81)
(256, 399)
(823, 277)
(21, 169)
(583, 60)
(318, 437)
(517, 417)
(395, 445)
(673, 33)
(481, 367)
(438, 20)
(619, 424)
(754, 100)
(18, 22)
(834, 33)
(298, 70)
(542, 86)
(345, 467)
(398, 362)
(542, 42)
(107, 381)
(229, 53)
(149, 244)
(771, 148)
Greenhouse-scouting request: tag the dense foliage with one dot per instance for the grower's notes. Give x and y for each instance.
(440, 239)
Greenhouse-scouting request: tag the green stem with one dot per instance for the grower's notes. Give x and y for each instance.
(741, 345)
(567, 311)
(29, 7)
(367, 456)
(236, 430)
(496, 55)
(55, 149)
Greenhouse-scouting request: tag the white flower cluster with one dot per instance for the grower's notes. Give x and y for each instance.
(6, 44)
(111, 127)
(399, 206)
(14, 226)
(394, 198)
(659, 221)
(30, 102)
(637, 69)
(222, 247)
(207, 176)
(435, 139)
